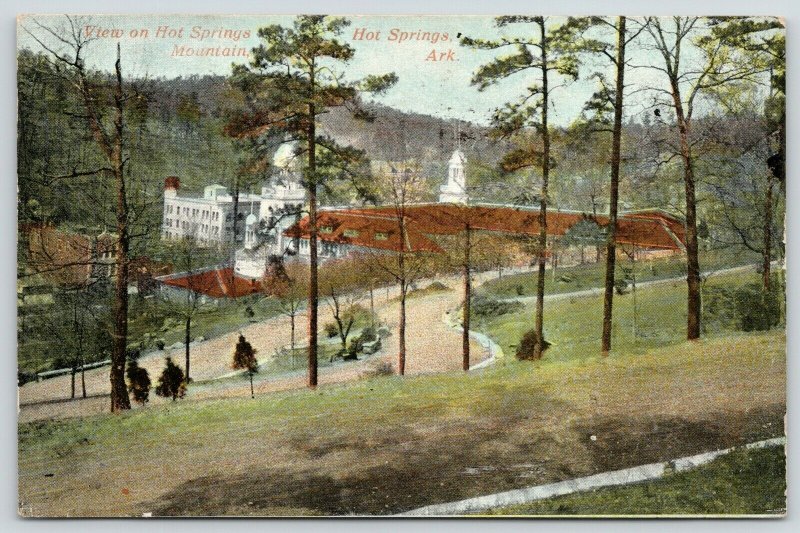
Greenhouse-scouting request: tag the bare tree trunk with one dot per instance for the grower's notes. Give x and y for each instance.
(187, 339)
(539, 344)
(313, 295)
(371, 306)
(767, 252)
(616, 142)
(635, 323)
(252, 392)
(401, 330)
(83, 376)
(467, 302)
(692, 248)
(119, 391)
(553, 262)
(77, 355)
(598, 250)
(291, 320)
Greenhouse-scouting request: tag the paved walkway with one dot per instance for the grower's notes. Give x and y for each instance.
(605, 479)
(600, 290)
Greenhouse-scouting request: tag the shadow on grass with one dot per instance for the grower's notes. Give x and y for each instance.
(456, 461)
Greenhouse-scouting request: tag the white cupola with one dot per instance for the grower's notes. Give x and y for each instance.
(455, 190)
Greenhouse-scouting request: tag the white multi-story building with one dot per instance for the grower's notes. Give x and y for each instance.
(208, 218)
(282, 201)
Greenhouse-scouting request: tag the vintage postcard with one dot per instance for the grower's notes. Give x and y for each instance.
(325, 265)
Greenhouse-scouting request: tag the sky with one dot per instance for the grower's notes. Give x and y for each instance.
(440, 88)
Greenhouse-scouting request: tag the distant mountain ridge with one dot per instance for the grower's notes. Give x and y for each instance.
(393, 135)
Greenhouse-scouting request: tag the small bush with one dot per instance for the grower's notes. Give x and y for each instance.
(520, 290)
(719, 309)
(351, 353)
(620, 286)
(170, 323)
(134, 351)
(437, 286)
(368, 334)
(331, 330)
(138, 382)
(487, 307)
(25, 377)
(526, 346)
(758, 310)
(745, 308)
(380, 368)
(172, 383)
(159, 344)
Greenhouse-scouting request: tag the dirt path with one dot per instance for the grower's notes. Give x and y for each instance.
(432, 346)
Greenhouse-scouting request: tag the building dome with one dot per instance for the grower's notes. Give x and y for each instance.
(250, 220)
(285, 156)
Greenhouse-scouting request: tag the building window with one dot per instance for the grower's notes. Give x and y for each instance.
(352, 233)
(326, 229)
(381, 236)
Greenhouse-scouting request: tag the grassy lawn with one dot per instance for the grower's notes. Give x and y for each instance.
(573, 325)
(390, 444)
(743, 482)
(591, 275)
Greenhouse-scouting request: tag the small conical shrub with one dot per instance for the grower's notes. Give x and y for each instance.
(244, 358)
(138, 382)
(172, 383)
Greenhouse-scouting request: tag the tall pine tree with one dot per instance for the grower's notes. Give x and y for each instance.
(545, 52)
(295, 76)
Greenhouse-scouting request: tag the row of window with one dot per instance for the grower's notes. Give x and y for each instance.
(185, 226)
(354, 233)
(328, 248)
(205, 214)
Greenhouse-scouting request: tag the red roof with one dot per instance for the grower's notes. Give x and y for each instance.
(372, 230)
(648, 229)
(673, 225)
(215, 283)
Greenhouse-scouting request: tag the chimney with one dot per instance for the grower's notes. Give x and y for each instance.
(171, 186)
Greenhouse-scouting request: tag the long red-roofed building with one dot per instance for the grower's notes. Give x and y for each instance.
(342, 231)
